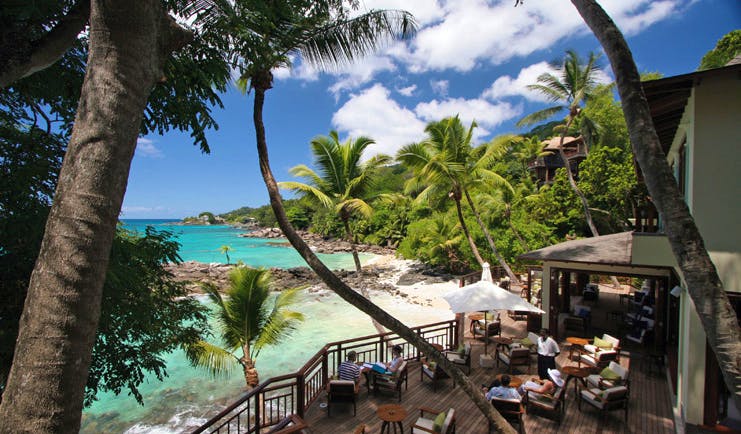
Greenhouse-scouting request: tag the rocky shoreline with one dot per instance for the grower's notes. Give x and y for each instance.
(318, 243)
(386, 277)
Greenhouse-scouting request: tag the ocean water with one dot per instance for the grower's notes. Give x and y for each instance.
(203, 243)
(189, 397)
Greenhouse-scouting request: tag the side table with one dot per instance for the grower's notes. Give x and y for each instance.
(392, 415)
(575, 372)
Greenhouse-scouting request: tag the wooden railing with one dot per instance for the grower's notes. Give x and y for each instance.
(272, 400)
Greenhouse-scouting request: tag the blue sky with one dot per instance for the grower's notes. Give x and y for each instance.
(470, 57)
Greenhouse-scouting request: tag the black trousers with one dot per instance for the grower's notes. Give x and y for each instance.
(544, 364)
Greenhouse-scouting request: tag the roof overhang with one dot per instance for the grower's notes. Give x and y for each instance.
(667, 98)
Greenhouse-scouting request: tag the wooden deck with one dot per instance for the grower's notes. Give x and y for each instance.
(649, 410)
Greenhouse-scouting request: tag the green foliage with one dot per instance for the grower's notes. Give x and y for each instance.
(144, 314)
(300, 217)
(608, 179)
(728, 47)
(606, 112)
(436, 240)
(557, 205)
(209, 216)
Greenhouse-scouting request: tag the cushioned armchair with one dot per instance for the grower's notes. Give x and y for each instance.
(604, 380)
(614, 398)
(515, 356)
(608, 343)
(550, 406)
(511, 410)
(598, 360)
(432, 371)
(392, 383)
(433, 421)
(462, 359)
(341, 392)
(492, 329)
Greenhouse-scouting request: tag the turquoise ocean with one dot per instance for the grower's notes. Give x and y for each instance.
(188, 397)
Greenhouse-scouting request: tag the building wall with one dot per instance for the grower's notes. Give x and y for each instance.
(710, 126)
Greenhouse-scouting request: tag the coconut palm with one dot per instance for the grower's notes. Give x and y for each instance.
(528, 149)
(225, 250)
(570, 88)
(248, 320)
(264, 36)
(447, 164)
(342, 181)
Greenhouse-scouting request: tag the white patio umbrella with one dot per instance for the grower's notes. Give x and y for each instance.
(484, 295)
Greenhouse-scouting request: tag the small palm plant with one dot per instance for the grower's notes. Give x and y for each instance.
(225, 250)
(248, 319)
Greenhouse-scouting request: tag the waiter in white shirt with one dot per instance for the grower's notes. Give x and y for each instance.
(547, 352)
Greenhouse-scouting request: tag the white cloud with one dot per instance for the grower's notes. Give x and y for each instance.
(496, 31)
(146, 148)
(487, 115)
(407, 91)
(359, 73)
(424, 11)
(134, 210)
(374, 114)
(506, 86)
(440, 87)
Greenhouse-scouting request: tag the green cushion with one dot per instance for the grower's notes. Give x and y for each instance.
(437, 424)
(599, 343)
(609, 374)
(461, 350)
(527, 342)
(432, 366)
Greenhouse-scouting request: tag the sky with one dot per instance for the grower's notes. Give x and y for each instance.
(471, 58)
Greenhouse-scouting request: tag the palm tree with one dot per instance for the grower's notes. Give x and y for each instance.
(571, 88)
(527, 150)
(263, 36)
(249, 319)
(703, 283)
(342, 182)
(447, 164)
(225, 250)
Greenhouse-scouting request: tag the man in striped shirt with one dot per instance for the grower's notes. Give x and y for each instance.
(349, 370)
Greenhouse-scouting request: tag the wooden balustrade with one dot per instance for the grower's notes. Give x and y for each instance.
(274, 399)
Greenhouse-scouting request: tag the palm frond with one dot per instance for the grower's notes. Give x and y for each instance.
(325, 200)
(353, 206)
(218, 361)
(539, 116)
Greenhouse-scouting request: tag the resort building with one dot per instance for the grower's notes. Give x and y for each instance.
(696, 116)
(544, 167)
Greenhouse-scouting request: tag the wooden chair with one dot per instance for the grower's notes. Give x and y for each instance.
(511, 410)
(492, 329)
(598, 360)
(435, 374)
(393, 383)
(341, 392)
(607, 338)
(515, 356)
(595, 380)
(461, 359)
(614, 398)
(426, 423)
(552, 405)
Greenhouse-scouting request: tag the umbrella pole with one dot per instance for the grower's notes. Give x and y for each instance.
(486, 336)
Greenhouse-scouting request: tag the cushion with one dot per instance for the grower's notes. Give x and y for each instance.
(599, 343)
(461, 351)
(437, 424)
(527, 342)
(609, 374)
(433, 364)
(467, 349)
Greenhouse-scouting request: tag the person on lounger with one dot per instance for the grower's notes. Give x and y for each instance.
(547, 386)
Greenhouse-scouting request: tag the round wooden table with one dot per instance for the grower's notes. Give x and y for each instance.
(578, 373)
(576, 344)
(513, 382)
(392, 415)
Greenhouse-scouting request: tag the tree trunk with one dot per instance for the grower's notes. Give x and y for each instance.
(351, 240)
(703, 284)
(494, 250)
(474, 249)
(251, 377)
(261, 84)
(45, 388)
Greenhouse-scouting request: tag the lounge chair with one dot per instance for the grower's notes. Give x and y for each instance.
(434, 372)
(608, 343)
(515, 356)
(614, 398)
(598, 381)
(598, 360)
(393, 383)
(341, 392)
(511, 410)
(434, 421)
(462, 359)
(549, 405)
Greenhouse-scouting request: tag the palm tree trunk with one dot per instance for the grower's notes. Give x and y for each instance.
(45, 388)
(339, 287)
(703, 283)
(351, 240)
(494, 250)
(462, 221)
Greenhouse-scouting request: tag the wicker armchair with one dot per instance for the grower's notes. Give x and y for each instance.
(427, 418)
(460, 359)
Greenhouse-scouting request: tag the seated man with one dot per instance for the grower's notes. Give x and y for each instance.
(503, 391)
(547, 386)
(349, 370)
